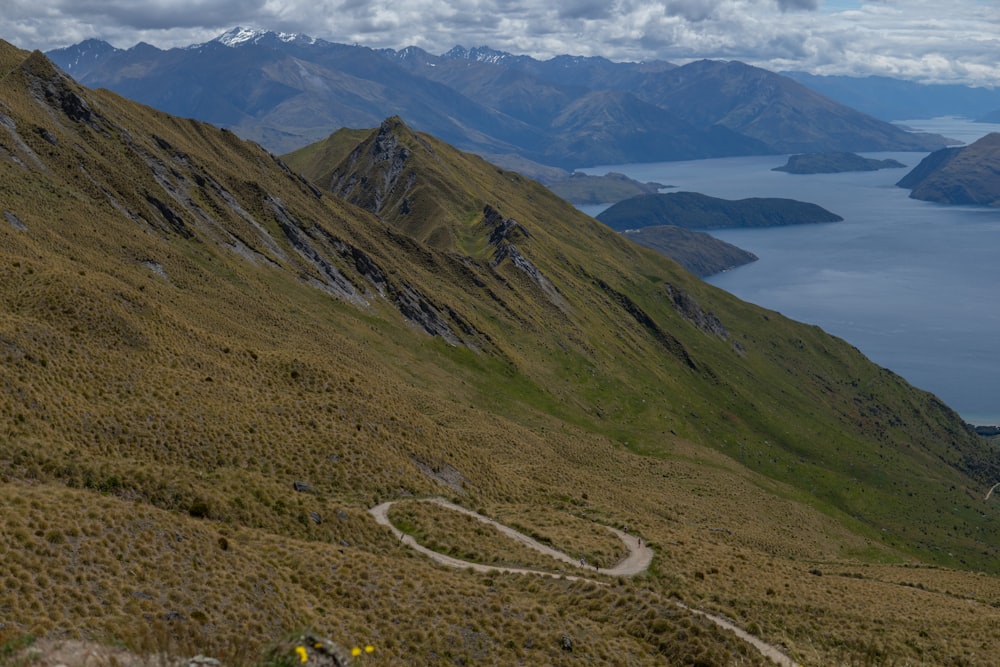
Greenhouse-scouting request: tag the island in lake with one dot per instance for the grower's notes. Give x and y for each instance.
(693, 210)
(834, 163)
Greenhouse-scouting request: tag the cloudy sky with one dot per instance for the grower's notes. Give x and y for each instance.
(927, 40)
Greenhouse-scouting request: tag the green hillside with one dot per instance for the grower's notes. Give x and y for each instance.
(210, 369)
(964, 175)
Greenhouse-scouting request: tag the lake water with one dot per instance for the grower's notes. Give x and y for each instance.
(913, 285)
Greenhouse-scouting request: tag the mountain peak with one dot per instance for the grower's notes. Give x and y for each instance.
(483, 54)
(239, 36)
(79, 57)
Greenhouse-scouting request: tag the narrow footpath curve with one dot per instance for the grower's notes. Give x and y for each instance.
(637, 561)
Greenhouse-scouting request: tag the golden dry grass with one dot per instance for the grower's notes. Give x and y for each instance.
(161, 397)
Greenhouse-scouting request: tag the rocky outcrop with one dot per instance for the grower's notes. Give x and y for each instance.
(692, 311)
(663, 337)
(331, 279)
(47, 84)
(502, 234)
(374, 175)
(15, 222)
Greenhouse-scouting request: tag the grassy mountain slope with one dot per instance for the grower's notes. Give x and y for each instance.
(614, 127)
(209, 369)
(776, 110)
(965, 175)
(710, 372)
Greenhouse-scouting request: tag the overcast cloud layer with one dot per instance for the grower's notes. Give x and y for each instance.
(928, 40)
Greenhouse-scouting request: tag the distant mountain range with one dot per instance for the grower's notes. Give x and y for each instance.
(966, 175)
(285, 91)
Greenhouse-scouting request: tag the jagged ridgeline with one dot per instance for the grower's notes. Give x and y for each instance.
(210, 367)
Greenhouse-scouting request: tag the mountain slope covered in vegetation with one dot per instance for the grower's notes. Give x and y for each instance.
(210, 368)
(960, 175)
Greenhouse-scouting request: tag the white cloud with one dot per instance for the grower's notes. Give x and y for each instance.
(919, 39)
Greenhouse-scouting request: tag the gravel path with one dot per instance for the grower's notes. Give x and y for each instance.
(638, 560)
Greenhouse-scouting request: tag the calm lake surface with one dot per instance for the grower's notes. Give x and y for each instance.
(913, 285)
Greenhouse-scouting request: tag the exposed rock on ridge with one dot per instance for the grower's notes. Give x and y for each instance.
(180, 197)
(388, 157)
(503, 233)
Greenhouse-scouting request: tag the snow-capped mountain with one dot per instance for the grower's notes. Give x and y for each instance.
(81, 57)
(482, 54)
(240, 36)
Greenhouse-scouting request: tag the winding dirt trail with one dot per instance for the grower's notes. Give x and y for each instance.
(638, 560)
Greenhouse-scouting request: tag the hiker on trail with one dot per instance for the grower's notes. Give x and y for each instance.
(583, 563)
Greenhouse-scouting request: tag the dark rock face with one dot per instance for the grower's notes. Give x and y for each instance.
(669, 342)
(503, 232)
(969, 175)
(374, 191)
(692, 311)
(15, 221)
(47, 83)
